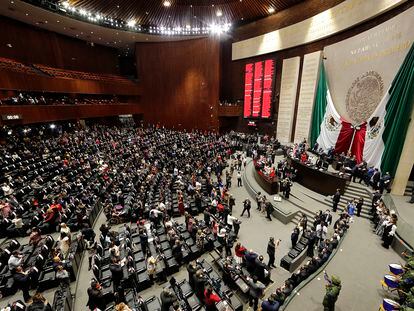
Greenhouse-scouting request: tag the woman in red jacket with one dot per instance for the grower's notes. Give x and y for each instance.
(240, 251)
(210, 299)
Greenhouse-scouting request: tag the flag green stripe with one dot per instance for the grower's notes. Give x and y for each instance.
(398, 114)
(319, 106)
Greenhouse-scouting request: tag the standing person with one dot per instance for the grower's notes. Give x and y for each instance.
(239, 250)
(96, 298)
(259, 200)
(333, 289)
(375, 198)
(167, 299)
(294, 237)
(22, 281)
(191, 269)
(210, 299)
(269, 210)
(232, 202)
(327, 217)
(286, 190)
(321, 231)
(116, 272)
(239, 179)
(255, 291)
(236, 226)
(335, 200)
(271, 251)
(389, 232)
(246, 207)
(359, 206)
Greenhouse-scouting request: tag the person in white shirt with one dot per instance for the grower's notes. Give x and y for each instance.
(321, 231)
(230, 220)
(15, 260)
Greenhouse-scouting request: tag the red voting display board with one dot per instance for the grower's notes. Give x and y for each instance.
(258, 89)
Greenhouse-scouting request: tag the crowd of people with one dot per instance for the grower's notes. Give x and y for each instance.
(55, 99)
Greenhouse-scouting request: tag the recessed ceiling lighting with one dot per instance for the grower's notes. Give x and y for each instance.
(27, 14)
(11, 1)
(271, 10)
(167, 3)
(57, 21)
(219, 13)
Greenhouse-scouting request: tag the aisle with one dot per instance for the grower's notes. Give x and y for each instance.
(360, 263)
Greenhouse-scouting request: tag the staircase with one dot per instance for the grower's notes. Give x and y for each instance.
(409, 188)
(303, 210)
(354, 191)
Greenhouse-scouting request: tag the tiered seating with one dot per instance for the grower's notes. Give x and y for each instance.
(82, 75)
(37, 260)
(135, 271)
(12, 65)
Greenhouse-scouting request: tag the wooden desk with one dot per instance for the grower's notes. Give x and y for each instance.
(322, 182)
(270, 185)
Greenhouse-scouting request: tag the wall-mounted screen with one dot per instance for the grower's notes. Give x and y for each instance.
(258, 89)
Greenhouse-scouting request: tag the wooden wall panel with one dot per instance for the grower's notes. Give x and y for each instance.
(26, 82)
(41, 113)
(35, 45)
(180, 82)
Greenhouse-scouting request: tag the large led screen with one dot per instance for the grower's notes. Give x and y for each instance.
(258, 89)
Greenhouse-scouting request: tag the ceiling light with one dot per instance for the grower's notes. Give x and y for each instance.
(219, 13)
(167, 3)
(66, 4)
(52, 126)
(131, 23)
(271, 10)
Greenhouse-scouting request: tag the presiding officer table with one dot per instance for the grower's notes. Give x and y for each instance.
(320, 181)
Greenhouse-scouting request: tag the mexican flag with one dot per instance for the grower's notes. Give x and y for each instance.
(378, 141)
(326, 122)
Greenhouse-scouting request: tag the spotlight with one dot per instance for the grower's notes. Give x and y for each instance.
(219, 13)
(167, 3)
(65, 4)
(52, 126)
(10, 132)
(271, 10)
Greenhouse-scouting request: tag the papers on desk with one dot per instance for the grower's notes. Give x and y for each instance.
(277, 198)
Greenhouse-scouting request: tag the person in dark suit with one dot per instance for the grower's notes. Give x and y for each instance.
(335, 200)
(191, 269)
(177, 251)
(96, 297)
(167, 299)
(375, 198)
(271, 250)
(269, 210)
(22, 281)
(359, 206)
(117, 274)
(246, 207)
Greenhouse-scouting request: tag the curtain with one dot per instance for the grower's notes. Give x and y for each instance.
(345, 138)
(398, 114)
(359, 142)
(319, 107)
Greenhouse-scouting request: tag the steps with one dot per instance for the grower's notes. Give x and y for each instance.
(303, 210)
(353, 191)
(409, 188)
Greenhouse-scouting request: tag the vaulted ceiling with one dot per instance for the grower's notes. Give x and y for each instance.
(196, 13)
